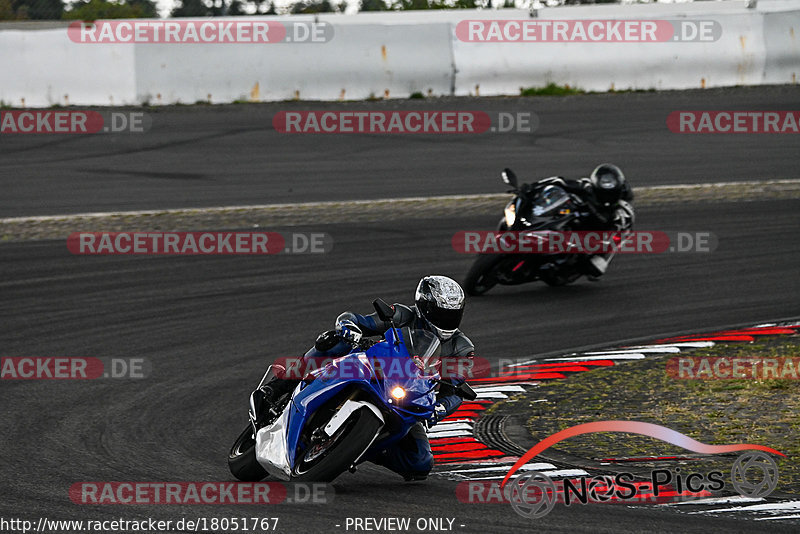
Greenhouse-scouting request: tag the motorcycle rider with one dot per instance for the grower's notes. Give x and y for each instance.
(438, 308)
(607, 196)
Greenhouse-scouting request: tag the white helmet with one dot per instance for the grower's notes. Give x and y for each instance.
(440, 302)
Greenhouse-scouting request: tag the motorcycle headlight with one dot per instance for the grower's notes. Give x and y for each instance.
(398, 392)
(511, 213)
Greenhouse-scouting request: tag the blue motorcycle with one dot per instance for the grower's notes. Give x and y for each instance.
(355, 406)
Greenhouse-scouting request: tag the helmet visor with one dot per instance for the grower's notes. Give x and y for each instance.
(444, 318)
(608, 181)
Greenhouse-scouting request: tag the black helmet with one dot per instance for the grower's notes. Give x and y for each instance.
(608, 183)
(440, 302)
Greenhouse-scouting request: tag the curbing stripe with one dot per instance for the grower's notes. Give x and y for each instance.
(481, 473)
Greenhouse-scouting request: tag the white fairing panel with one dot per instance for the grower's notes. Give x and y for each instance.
(344, 413)
(271, 450)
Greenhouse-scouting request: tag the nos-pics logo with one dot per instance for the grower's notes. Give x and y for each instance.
(533, 494)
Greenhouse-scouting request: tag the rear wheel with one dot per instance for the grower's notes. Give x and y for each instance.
(327, 458)
(242, 458)
(481, 277)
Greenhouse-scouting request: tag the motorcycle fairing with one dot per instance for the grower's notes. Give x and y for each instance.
(277, 444)
(271, 450)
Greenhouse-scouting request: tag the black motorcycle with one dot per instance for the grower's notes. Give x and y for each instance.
(535, 208)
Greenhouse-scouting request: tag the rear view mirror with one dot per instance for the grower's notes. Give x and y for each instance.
(509, 177)
(385, 311)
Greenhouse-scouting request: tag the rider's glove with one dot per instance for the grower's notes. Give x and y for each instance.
(439, 413)
(349, 331)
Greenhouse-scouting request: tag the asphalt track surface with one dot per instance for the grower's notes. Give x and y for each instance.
(210, 325)
(197, 156)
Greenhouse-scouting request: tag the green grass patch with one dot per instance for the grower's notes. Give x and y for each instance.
(551, 89)
(614, 91)
(765, 412)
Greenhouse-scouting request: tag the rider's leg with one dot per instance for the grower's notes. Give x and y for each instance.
(410, 457)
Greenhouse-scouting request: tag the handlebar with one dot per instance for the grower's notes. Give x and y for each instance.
(363, 343)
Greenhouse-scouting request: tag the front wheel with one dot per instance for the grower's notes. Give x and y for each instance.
(327, 459)
(481, 277)
(242, 458)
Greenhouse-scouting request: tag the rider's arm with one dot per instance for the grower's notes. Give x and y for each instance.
(581, 187)
(622, 217)
(447, 398)
(459, 369)
(371, 325)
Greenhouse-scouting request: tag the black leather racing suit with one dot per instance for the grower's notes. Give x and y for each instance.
(616, 217)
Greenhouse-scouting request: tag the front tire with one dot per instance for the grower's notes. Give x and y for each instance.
(242, 458)
(326, 462)
(480, 277)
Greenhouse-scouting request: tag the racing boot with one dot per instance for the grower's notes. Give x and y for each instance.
(595, 267)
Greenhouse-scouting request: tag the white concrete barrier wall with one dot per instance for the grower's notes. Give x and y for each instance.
(782, 43)
(360, 61)
(405, 54)
(737, 58)
(40, 68)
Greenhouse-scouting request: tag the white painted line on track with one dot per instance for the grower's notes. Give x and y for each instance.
(715, 500)
(603, 356)
(451, 426)
(768, 507)
(556, 473)
(528, 467)
(775, 518)
(451, 434)
(685, 344)
(492, 395)
(658, 349)
(499, 388)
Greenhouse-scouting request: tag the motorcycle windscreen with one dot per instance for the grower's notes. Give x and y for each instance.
(549, 200)
(419, 354)
(420, 343)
